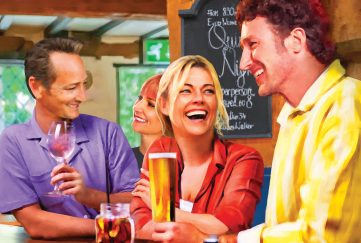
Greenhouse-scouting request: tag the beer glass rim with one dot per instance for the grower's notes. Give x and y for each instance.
(162, 155)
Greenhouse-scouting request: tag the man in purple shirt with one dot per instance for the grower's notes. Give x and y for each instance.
(56, 78)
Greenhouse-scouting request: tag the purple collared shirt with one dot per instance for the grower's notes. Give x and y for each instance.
(25, 165)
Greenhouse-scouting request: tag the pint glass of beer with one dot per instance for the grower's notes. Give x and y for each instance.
(162, 169)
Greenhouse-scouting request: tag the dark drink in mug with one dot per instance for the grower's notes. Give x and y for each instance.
(162, 172)
(114, 225)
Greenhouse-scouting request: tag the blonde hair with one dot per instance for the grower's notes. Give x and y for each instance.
(173, 80)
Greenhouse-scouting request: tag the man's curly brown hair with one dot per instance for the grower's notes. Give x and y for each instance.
(285, 15)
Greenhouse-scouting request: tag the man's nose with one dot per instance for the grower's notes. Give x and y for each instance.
(246, 60)
(81, 96)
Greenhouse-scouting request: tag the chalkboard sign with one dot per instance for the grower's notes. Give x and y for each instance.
(130, 79)
(210, 29)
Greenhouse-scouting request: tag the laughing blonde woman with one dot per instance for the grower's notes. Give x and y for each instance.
(218, 182)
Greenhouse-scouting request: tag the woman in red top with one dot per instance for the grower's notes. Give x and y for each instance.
(219, 183)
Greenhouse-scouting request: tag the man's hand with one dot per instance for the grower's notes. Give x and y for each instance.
(177, 232)
(71, 181)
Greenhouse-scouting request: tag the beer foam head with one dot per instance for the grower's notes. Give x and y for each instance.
(162, 155)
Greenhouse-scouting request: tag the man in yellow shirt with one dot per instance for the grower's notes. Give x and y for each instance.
(314, 193)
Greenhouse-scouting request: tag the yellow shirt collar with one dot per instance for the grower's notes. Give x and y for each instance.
(330, 77)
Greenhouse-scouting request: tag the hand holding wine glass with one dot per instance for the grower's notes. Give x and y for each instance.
(72, 182)
(61, 143)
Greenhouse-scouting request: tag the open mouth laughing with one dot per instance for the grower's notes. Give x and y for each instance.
(258, 73)
(139, 119)
(197, 115)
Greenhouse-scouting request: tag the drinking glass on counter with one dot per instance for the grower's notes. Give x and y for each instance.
(162, 172)
(114, 224)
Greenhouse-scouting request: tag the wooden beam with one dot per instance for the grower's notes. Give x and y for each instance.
(11, 44)
(12, 47)
(153, 32)
(5, 23)
(16, 47)
(89, 8)
(174, 25)
(57, 26)
(99, 49)
(108, 26)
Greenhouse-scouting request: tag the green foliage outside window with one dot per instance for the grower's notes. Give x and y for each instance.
(16, 104)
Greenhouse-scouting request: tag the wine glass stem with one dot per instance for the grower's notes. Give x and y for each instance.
(56, 187)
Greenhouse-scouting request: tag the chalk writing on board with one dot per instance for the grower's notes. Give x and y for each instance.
(227, 44)
(210, 29)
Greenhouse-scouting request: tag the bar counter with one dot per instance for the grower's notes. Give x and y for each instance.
(16, 234)
(12, 232)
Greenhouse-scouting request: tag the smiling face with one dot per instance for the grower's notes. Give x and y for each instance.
(195, 107)
(145, 119)
(67, 91)
(265, 56)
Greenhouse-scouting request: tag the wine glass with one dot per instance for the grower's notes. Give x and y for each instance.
(61, 144)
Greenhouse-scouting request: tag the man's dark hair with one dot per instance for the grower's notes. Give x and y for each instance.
(37, 60)
(285, 15)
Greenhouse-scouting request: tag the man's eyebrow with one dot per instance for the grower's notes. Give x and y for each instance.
(240, 44)
(243, 40)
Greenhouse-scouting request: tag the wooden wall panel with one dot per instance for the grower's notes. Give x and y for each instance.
(174, 25)
(88, 8)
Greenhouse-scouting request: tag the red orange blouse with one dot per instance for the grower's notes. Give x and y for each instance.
(230, 190)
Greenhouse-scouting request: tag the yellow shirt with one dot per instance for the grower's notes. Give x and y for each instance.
(315, 188)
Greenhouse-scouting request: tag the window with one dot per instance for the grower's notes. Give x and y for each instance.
(16, 103)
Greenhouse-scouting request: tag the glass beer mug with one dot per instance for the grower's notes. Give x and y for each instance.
(114, 224)
(162, 178)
